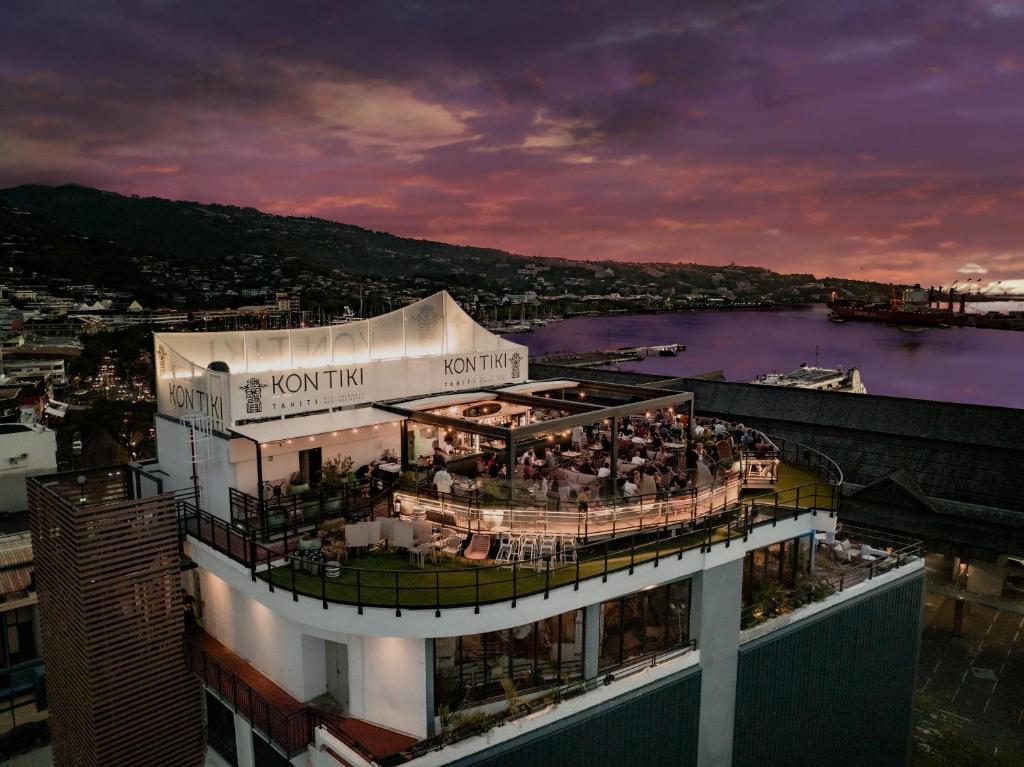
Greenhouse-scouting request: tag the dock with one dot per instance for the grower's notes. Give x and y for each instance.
(610, 356)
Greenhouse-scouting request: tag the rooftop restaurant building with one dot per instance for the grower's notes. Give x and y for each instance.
(398, 548)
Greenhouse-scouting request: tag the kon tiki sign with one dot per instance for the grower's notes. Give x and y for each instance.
(275, 393)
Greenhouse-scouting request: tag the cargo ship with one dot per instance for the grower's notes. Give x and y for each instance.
(898, 311)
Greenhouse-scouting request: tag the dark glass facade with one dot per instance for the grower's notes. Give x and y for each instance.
(17, 637)
(644, 622)
(781, 564)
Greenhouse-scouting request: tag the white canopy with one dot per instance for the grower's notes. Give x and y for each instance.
(318, 423)
(429, 347)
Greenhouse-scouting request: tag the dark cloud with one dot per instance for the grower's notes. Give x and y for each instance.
(873, 131)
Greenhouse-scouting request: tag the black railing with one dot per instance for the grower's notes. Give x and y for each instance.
(279, 564)
(898, 551)
(352, 501)
(290, 731)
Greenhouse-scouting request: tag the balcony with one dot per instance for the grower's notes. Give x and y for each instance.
(285, 722)
(383, 577)
(777, 582)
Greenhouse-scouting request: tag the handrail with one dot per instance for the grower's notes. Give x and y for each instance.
(289, 732)
(625, 514)
(277, 562)
(312, 506)
(282, 568)
(852, 574)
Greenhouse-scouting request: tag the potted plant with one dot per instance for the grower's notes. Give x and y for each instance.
(334, 476)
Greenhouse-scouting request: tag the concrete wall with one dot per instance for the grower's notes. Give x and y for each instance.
(40, 451)
(388, 676)
(396, 692)
(716, 625)
(280, 460)
(273, 644)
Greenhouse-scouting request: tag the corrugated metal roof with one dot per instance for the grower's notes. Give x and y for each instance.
(15, 549)
(15, 563)
(15, 580)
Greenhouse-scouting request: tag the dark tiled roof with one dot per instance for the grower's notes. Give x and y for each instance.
(967, 454)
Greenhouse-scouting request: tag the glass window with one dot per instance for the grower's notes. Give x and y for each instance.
(643, 623)
(469, 670)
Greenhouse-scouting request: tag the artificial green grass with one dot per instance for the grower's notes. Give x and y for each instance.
(387, 579)
(792, 477)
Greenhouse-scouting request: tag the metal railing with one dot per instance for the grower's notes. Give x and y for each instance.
(607, 516)
(352, 501)
(282, 567)
(291, 731)
(899, 551)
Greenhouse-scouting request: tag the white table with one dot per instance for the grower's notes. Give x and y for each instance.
(674, 445)
(570, 454)
(391, 468)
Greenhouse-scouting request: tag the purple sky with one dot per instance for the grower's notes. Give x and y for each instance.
(855, 137)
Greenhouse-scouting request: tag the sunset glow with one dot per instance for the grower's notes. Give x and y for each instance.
(860, 139)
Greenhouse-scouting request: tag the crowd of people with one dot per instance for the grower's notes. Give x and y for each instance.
(656, 458)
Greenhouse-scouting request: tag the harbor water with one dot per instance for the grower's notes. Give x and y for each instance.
(978, 366)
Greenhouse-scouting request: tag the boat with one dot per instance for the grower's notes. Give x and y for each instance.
(898, 311)
(819, 378)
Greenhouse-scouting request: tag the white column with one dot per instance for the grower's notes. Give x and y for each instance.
(243, 742)
(716, 597)
(591, 639)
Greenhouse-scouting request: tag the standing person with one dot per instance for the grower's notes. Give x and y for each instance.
(443, 481)
(577, 439)
(648, 486)
(692, 458)
(584, 500)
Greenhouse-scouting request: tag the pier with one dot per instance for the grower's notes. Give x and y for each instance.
(610, 356)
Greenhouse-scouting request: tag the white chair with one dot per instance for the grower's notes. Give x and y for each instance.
(567, 548)
(528, 549)
(547, 546)
(505, 550)
(452, 545)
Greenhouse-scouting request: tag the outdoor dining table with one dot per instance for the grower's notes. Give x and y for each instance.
(674, 445)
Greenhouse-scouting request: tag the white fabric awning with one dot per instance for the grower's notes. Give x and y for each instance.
(446, 400)
(318, 423)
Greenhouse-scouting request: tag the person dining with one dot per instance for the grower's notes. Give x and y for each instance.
(631, 486)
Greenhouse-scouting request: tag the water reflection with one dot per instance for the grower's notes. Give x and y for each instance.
(952, 364)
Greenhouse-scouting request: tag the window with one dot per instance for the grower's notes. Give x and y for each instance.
(468, 670)
(644, 622)
(17, 637)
